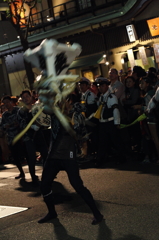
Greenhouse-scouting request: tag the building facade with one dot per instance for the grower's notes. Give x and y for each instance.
(102, 28)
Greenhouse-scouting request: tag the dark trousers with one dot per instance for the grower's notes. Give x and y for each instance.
(93, 140)
(109, 136)
(16, 151)
(135, 135)
(53, 166)
(30, 156)
(40, 144)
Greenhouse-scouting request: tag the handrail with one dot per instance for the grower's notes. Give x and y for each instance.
(65, 12)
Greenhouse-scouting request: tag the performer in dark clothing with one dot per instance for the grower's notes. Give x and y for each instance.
(34, 136)
(62, 156)
(10, 126)
(53, 59)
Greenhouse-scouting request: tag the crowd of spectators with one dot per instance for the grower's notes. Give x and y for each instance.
(132, 90)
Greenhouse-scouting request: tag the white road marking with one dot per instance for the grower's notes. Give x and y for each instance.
(7, 210)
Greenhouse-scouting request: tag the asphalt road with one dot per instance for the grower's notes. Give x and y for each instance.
(127, 195)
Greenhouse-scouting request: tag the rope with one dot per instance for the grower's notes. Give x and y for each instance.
(140, 118)
(16, 139)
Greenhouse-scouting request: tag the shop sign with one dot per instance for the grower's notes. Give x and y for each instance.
(131, 33)
(153, 25)
(131, 57)
(156, 51)
(143, 56)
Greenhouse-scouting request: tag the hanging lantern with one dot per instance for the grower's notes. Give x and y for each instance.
(19, 11)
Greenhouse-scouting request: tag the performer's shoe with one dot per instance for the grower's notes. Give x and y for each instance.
(97, 220)
(21, 175)
(48, 217)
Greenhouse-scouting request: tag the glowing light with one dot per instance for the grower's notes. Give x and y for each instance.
(38, 78)
(122, 60)
(19, 8)
(68, 44)
(49, 19)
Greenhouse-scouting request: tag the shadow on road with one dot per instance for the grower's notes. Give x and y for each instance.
(61, 195)
(61, 232)
(130, 165)
(104, 233)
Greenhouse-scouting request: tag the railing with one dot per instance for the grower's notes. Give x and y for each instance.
(68, 12)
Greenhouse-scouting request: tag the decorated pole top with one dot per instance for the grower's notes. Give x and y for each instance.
(51, 57)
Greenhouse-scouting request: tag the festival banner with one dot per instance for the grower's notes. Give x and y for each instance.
(143, 56)
(156, 51)
(131, 57)
(153, 25)
(131, 33)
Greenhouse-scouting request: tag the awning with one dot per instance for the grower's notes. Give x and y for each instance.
(87, 61)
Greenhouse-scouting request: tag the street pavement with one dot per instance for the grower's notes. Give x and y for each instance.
(127, 195)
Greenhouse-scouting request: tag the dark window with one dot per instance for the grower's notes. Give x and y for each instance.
(84, 4)
(3, 15)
